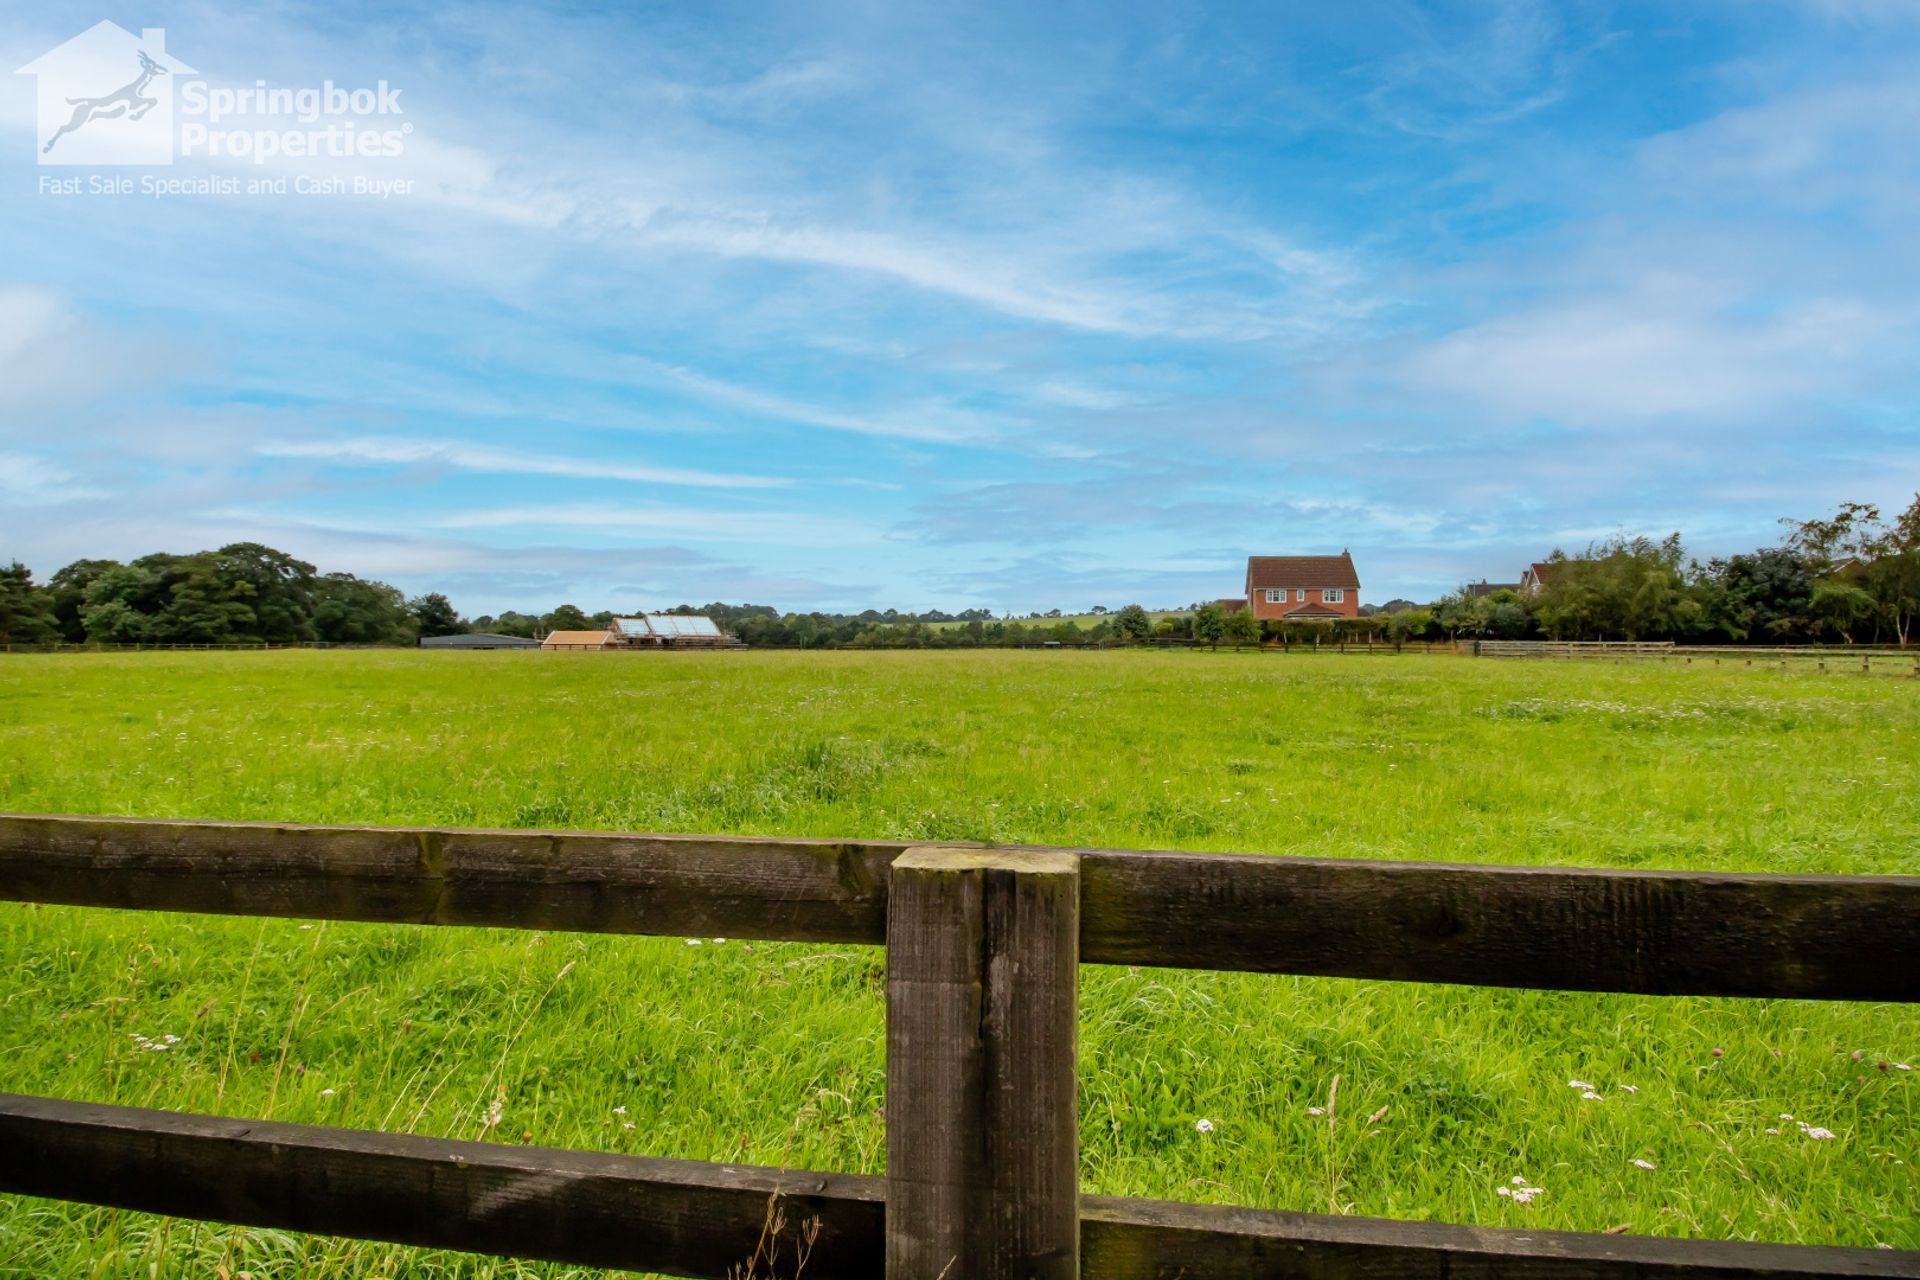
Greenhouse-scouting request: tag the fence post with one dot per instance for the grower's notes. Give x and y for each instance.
(983, 952)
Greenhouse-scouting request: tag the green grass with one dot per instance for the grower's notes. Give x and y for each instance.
(773, 1053)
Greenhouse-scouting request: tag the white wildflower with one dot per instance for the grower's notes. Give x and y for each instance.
(1643, 1164)
(1591, 1096)
(1316, 1111)
(1816, 1132)
(326, 1093)
(1580, 1084)
(1785, 1116)
(1628, 1088)
(619, 1111)
(719, 942)
(1773, 1133)
(494, 1110)
(693, 942)
(1203, 1126)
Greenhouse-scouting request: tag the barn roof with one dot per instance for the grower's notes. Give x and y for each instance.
(577, 637)
(675, 626)
(477, 640)
(1302, 571)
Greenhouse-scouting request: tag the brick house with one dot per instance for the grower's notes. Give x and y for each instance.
(1303, 588)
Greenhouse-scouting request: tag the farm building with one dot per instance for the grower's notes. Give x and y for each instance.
(578, 640)
(1303, 588)
(478, 640)
(669, 630)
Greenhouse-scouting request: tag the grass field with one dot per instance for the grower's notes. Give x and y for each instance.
(771, 1053)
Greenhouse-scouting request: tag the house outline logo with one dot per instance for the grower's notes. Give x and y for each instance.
(106, 97)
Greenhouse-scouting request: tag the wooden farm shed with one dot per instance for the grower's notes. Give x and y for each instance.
(578, 640)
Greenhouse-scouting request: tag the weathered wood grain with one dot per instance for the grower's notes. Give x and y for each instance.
(687, 1218)
(1157, 1240)
(679, 1217)
(1650, 932)
(982, 1124)
(804, 890)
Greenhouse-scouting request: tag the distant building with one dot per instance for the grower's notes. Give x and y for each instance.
(1534, 580)
(578, 640)
(669, 630)
(1230, 604)
(1482, 589)
(1303, 588)
(478, 640)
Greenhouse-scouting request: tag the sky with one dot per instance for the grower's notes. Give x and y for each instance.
(1020, 306)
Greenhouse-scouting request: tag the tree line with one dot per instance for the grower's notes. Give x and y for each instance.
(1853, 577)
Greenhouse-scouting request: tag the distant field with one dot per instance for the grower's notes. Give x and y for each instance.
(1079, 619)
(771, 1053)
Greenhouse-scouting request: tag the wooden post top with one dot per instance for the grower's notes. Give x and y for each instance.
(1027, 861)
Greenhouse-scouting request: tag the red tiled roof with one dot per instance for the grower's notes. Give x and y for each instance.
(1540, 570)
(1302, 571)
(1313, 611)
(1231, 604)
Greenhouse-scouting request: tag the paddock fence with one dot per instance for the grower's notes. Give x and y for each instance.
(1862, 658)
(983, 949)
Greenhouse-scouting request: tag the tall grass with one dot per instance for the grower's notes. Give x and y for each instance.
(772, 1053)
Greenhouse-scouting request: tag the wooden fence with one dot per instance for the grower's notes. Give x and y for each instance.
(1818, 657)
(983, 951)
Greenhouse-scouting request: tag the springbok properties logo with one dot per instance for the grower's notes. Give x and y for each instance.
(106, 97)
(109, 97)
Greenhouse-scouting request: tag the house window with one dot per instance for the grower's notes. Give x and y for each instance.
(1333, 595)
(1300, 595)
(1276, 595)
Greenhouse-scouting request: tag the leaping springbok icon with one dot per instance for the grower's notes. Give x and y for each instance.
(128, 100)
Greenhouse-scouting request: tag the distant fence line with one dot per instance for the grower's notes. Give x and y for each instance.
(1902, 661)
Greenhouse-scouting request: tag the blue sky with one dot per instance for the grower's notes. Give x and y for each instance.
(1025, 306)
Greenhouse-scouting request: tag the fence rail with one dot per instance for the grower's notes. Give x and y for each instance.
(1843, 657)
(983, 944)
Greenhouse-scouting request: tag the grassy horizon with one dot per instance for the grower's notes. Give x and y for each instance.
(771, 1053)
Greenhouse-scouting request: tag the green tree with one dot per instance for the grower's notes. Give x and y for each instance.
(567, 618)
(350, 610)
(275, 587)
(1209, 624)
(1624, 589)
(68, 589)
(1841, 607)
(1134, 623)
(434, 615)
(26, 610)
(1242, 627)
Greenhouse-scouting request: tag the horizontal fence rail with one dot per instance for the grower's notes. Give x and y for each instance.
(684, 1217)
(983, 948)
(1645, 932)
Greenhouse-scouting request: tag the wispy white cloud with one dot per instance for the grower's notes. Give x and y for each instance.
(692, 524)
(1631, 358)
(487, 458)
